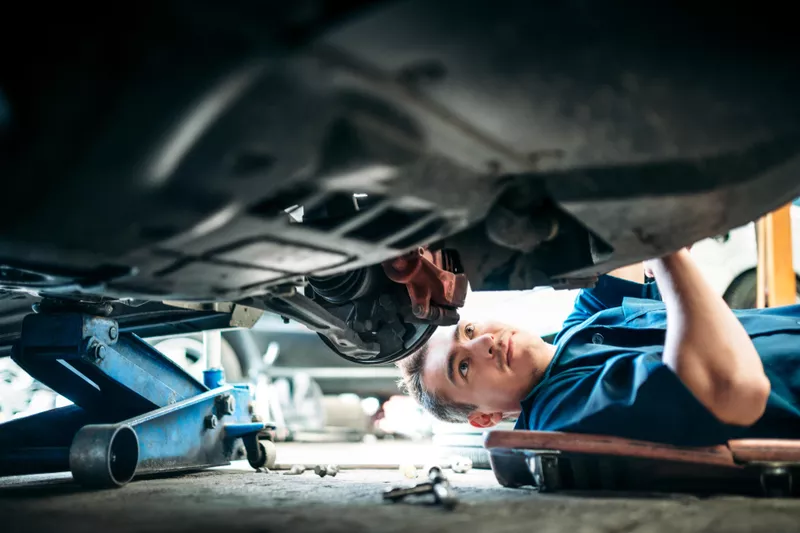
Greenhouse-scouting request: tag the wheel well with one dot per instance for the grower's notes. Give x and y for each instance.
(738, 280)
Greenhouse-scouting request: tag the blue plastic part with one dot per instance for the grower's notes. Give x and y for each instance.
(214, 377)
(235, 431)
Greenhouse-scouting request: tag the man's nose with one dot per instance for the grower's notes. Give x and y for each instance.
(482, 345)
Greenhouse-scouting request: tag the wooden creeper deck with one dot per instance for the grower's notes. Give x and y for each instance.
(552, 461)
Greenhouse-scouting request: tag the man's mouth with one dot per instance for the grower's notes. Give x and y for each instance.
(509, 350)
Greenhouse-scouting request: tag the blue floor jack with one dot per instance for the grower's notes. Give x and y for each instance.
(134, 412)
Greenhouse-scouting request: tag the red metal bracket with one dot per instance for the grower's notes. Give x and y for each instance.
(435, 292)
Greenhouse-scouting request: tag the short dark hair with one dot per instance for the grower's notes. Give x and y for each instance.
(411, 382)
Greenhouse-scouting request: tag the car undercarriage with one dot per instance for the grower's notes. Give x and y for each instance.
(352, 165)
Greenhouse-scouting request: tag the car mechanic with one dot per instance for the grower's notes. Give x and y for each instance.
(664, 361)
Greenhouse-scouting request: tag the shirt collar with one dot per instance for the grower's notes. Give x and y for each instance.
(561, 344)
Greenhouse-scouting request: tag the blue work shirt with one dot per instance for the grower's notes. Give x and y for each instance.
(607, 376)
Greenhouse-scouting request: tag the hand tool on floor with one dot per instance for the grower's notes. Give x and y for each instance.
(340, 467)
(437, 484)
(458, 465)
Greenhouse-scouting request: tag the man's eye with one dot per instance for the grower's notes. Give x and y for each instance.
(463, 367)
(469, 330)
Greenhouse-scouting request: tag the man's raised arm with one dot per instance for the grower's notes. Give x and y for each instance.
(706, 345)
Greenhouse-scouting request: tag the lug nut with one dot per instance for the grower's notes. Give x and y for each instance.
(326, 470)
(226, 404)
(461, 465)
(99, 352)
(433, 469)
(296, 470)
(409, 471)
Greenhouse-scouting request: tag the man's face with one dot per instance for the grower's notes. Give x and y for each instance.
(487, 364)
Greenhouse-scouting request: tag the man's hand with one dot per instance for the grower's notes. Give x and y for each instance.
(650, 264)
(648, 268)
(707, 346)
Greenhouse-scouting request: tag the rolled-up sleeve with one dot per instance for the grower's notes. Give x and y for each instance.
(609, 292)
(633, 396)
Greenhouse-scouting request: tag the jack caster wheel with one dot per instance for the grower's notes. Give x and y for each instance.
(104, 456)
(267, 455)
(271, 452)
(260, 454)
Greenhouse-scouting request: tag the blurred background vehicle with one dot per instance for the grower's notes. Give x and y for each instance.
(729, 261)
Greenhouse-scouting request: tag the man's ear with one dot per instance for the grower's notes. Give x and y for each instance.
(484, 420)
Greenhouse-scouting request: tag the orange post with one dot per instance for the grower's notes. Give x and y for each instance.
(761, 265)
(776, 279)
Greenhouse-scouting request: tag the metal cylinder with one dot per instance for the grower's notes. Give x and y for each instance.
(212, 345)
(104, 455)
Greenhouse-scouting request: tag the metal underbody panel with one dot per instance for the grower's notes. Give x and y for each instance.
(156, 158)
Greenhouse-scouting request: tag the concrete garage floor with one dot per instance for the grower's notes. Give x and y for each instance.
(236, 499)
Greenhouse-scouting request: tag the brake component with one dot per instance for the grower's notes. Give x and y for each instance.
(435, 284)
(396, 306)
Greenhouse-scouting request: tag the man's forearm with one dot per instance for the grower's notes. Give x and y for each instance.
(706, 345)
